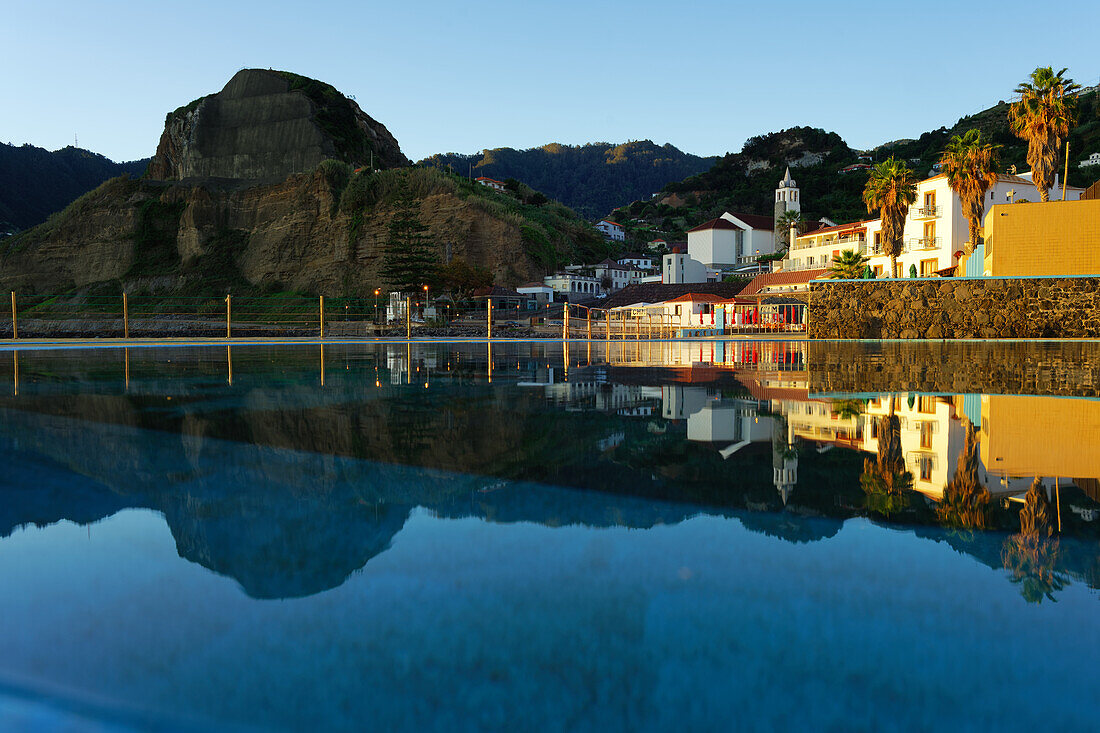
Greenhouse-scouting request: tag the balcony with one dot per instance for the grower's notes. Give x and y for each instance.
(924, 243)
(924, 212)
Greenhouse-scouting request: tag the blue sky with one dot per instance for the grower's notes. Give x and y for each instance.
(451, 76)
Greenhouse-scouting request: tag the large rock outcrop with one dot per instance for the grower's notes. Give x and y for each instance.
(279, 182)
(266, 125)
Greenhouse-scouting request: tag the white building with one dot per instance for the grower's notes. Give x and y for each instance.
(573, 286)
(678, 267)
(614, 277)
(611, 230)
(731, 240)
(786, 197)
(540, 293)
(641, 261)
(1093, 159)
(491, 183)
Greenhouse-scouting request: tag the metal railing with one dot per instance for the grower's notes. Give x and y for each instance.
(922, 243)
(925, 212)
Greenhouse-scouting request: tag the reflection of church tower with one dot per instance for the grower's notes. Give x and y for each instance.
(786, 199)
(784, 459)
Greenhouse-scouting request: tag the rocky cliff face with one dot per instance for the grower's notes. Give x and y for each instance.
(252, 189)
(287, 235)
(266, 125)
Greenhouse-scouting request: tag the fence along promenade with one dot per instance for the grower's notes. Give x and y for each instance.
(287, 316)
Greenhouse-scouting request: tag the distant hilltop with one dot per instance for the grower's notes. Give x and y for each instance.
(591, 179)
(267, 125)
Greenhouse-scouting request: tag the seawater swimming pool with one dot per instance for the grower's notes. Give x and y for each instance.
(403, 537)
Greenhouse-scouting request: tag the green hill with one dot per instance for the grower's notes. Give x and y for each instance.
(745, 182)
(590, 179)
(35, 182)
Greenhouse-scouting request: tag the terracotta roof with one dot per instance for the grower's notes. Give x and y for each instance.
(490, 180)
(610, 264)
(855, 226)
(697, 298)
(772, 279)
(608, 221)
(718, 223)
(658, 292)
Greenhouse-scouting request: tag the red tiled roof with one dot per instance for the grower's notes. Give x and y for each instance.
(490, 180)
(697, 298)
(855, 226)
(608, 221)
(771, 279)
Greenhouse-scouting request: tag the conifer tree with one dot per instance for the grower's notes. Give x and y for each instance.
(409, 260)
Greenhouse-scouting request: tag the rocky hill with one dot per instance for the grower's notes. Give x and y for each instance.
(591, 179)
(35, 182)
(252, 189)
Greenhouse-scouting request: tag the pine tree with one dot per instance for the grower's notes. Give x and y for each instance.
(410, 260)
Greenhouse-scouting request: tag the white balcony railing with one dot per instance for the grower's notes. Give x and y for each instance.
(924, 212)
(923, 243)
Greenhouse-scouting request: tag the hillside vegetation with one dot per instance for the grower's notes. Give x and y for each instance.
(745, 182)
(35, 182)
(591, 179)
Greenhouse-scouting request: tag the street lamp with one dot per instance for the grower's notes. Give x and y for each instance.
(424, 312)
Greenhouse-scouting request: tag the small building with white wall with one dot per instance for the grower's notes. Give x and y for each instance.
(612, 230)
(492, 183)
(573, 286)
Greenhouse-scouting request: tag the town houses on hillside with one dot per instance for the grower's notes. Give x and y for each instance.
(492, 183)
(612, 230)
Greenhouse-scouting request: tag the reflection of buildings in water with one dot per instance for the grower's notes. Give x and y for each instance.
(743, 354)
(1023, 437)
(784, 458)
(932, 437)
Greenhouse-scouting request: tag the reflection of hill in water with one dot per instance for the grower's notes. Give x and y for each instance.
(289, 489)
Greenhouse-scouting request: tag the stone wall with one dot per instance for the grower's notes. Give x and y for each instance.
(1063, 368)
(951, 308)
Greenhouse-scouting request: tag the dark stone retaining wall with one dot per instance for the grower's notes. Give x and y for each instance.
(956, 307)
(1066, 368)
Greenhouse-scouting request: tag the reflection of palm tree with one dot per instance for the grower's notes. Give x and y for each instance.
(885, 480)
(965, 501)
(1032, 555)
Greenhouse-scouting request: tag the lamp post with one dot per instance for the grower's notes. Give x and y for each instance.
(377, 292)
(424, 312)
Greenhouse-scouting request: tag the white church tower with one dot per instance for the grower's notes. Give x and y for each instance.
(786, 199)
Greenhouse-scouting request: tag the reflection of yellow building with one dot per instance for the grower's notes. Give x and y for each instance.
(1040, 436)
(1051, 239)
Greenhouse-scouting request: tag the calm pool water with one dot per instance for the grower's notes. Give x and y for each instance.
(609, 537)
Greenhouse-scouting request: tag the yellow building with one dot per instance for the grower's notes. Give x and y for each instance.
(1051, 239)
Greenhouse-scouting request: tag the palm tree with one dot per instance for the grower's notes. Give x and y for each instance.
(1047, 108)
(783, 226)
(970, 163)
(892, 189)
(849, 265)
